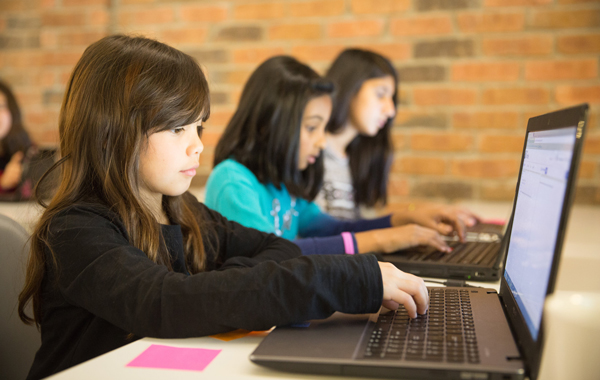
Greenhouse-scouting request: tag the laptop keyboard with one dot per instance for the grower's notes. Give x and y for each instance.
(463, 253)
(446, 333)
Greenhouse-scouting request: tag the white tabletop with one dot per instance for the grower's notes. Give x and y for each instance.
(579, 271)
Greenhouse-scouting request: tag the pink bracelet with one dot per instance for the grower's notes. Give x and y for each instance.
(348, 243)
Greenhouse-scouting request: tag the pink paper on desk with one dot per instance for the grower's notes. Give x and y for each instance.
(167, 357)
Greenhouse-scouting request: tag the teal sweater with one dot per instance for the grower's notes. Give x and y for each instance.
(235, 192)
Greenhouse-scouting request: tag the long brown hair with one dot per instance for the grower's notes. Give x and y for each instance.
(122, 90)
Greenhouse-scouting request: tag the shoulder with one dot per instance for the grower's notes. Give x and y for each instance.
(232, 169)
(230, 173)
(83, 214)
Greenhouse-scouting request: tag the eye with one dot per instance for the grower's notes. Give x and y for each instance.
(177, 130)
(200, 130)
(311, 128)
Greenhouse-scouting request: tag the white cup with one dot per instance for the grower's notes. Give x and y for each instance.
(572, 333)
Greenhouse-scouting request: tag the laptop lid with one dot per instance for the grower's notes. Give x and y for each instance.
(543, 198)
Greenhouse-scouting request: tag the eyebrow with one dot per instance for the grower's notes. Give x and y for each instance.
(315, 117)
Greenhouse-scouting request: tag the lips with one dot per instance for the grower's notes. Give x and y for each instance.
(190, 172)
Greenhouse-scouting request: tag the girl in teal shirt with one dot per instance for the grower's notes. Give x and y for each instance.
(268, 169)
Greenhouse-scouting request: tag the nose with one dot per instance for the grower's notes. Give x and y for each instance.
(322, 141)
(390, 108)
(196, 146)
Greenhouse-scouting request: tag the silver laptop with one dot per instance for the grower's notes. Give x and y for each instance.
(467, 333)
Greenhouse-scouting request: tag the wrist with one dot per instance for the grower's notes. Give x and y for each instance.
(401, 218)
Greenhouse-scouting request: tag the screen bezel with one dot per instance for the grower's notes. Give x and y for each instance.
(575, 116)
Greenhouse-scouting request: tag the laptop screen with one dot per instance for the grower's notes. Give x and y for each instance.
(537, 215)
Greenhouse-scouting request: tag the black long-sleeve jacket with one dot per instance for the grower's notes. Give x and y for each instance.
(106, 289)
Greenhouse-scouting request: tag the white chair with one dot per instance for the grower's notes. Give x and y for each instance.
(18, 342)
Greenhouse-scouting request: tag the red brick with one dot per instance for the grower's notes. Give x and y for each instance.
(218, 119)
(206, 159)
(258, 11)
(21, 59)
(444, 96)
(393, 51)
(525, 95)
(210, 137)
(579, 44)
(147, 17)
(319, 8)
(420, 165)
(517, 46)
(585, 18)
(430, 25)
(45, 4)
(49, 138)
(255, 55)
(63, 18)
(79, 38)
(587, 169)
(99, 18)
(501, 143)
(515, 3)
(398, 187)
(238, 77)
(380, 6)
(79, 3)
(361, 28)
(500, 168)
(426, 118)
(490, 22)
(45, 117)
(183, 35)
(136, 2)
(312, 53)
(496, 71)
(498, 191)
(576, 1)
(61, 58)
(49, 38)
(591, 145)
(441, 142)
(12, 5)
(561, 70)
(577, 94)
(398, 140)
(295, 32)
(486, 120)
(203, 13)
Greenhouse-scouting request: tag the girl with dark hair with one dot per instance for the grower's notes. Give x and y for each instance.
(123, 251)
(14, 141)
(268, 169)
(358, 154)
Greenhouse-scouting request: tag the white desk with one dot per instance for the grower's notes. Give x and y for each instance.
(579, 271)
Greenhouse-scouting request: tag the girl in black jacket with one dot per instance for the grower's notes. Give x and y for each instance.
(123, 251)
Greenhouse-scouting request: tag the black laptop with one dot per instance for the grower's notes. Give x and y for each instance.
(467, 333)
(479, 258)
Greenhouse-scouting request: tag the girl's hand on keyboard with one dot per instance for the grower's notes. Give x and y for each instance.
(388, 240)
(403, 288)
(443, 219)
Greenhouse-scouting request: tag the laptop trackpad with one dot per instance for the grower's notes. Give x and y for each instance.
(334, 338)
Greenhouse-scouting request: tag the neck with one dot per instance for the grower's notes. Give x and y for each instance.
(340, 141)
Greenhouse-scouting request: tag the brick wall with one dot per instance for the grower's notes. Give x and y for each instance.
(472, 71)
